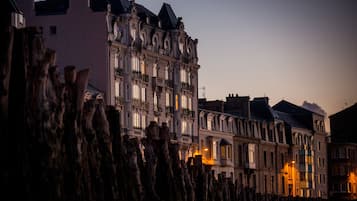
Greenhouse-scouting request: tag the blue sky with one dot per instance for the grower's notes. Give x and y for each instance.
(292, 50)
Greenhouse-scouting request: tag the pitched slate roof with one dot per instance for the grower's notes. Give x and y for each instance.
(11, 6)
(117, 6)
(167, 17)
(285, 106)
(261, 110)
(290, 120)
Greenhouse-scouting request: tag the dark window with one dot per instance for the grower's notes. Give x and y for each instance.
(282, 184)
(240, 155)
(265, 184)
(272, 159)
(282, 160)
(53, 30)
(271, 138)
(265, 159)
(263, 132)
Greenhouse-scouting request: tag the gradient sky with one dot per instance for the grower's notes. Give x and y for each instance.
(293, 50)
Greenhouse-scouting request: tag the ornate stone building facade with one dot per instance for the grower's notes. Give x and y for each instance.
(144, 63)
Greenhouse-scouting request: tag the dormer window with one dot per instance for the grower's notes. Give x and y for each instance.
(116, 30)
(155, 41)
(142, 38)
(166, 44)
(133, 31)
(154, 70)
(159, 24)
(181, 43)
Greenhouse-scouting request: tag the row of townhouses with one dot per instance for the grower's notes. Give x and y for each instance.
(278, 150)
(146, 65)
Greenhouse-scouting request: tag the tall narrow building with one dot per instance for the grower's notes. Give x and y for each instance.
(144, 63)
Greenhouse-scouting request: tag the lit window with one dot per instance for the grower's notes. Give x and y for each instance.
(136, 92)
(168, 99)
(184, 101)
(209, 124)
(135, 63)
(189, 78)
(183, 75)
(183, 127)
(136, 120)
(116, 60)
(189, 103)
(155, 101)
(176, 102)
(166, 73)
(116, 89)
(142, 66)
(214, 149)
(143, 94)
(143, 121)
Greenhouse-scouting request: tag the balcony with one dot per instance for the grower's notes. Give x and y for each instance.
(157, 82)
(188, 113)
(187, 87)
(119, 100)
(251, 165)
(119, 71)
(157, 110)
(169, 109)
(186, 139)
(169, 83)
(137, 75)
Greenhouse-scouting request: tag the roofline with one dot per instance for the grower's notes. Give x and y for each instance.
(307, 110)
(344, 110)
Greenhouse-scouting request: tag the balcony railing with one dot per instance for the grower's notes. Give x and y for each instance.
(169, 109)
(250, 165)
(119, 71)
(187, 87)
(145, 77)
(188, 113)
(136, 74)
(119, 100)
(157, 110)
(169, 83)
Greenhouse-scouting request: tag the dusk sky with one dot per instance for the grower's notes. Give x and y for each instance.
(292, 50)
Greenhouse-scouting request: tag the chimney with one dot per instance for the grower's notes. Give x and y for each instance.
(237, 105)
